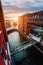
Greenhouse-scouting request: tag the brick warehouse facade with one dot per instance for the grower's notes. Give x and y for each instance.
(30, 21)
(33, 18)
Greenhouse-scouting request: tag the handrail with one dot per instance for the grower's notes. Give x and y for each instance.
(22, 47)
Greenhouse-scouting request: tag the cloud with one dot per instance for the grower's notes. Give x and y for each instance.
(22, 5)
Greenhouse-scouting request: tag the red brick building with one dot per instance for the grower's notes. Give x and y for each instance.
(31, 25)
(35, 19)
(5, 58)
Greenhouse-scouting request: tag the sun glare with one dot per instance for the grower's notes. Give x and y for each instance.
(16, 18)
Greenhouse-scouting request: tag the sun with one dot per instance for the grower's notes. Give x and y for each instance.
(16, 18)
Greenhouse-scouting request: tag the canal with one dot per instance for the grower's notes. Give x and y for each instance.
(15, 40)
(28, 56)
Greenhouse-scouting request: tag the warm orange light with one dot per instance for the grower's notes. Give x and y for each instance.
(16, 18)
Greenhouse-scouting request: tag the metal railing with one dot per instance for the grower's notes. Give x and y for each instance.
(25, 45)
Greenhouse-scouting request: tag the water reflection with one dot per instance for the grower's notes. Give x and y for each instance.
(19, 56)
(15, 39)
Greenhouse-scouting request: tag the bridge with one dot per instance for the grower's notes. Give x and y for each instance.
(11, 29)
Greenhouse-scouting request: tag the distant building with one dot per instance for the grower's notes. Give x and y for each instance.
(7, 24)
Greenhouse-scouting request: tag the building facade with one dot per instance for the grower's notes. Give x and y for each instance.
(5, 58)
(28, 21)
(31, 26)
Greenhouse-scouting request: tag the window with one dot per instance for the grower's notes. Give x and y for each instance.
(4, 57)
(3, 42)
(3, 54)
(35, 16)
(0, 50)
(40, 19)
(35, 33)
(41, 15)
(0, 31)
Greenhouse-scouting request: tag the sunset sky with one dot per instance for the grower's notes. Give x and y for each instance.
(18, 7)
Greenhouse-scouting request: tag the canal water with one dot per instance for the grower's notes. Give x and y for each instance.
(29, 56)
(16, 40)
